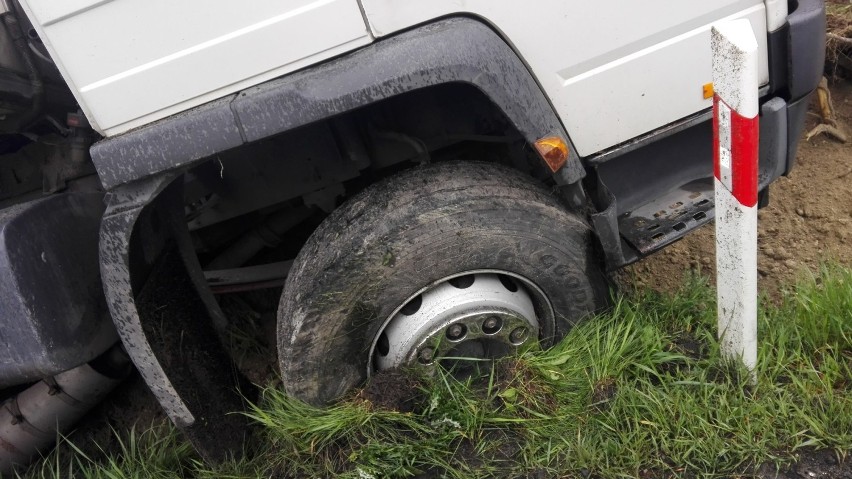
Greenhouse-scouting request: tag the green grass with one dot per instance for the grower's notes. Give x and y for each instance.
(156, 453)
(640, 391)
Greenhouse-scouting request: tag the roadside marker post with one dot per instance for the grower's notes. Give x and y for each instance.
(735, 157)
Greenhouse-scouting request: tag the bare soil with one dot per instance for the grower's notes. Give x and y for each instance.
(394, 390)
(808, 220)
(811, 465)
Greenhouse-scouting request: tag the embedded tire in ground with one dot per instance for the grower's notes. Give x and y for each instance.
(400, 247)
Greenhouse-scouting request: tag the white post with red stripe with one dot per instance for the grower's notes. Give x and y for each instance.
(735, 139)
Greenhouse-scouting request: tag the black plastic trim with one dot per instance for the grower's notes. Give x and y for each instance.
(167, 317)
(671, 161)
(772, 149)
(806, 47)
(650, 137)
(52, 309)
(796, 113)
(776, 46)
(458, 50)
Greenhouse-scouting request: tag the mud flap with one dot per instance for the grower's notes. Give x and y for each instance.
(167, 317)
(605, 222)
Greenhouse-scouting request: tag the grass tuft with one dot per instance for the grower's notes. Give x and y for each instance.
(156, 453)
(638, 392)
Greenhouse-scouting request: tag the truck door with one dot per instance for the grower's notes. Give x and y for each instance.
(130, 62)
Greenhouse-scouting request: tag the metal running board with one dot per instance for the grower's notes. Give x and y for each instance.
(668, 218)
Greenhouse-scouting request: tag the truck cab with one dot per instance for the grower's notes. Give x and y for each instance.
(421, 179)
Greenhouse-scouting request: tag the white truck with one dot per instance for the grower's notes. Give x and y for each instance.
(427, 179)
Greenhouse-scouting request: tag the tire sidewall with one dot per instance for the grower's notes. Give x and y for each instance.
(346, 285)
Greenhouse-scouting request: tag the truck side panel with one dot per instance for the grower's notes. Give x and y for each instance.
(613, 70)
(130, 63)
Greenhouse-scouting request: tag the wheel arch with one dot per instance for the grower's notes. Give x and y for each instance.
(142, 170)
(453, 50)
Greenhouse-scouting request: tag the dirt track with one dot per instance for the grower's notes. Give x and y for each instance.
(808, 220)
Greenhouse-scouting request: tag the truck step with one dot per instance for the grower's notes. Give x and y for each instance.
(668, 218)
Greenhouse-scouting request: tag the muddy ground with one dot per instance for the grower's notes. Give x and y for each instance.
(808, 220)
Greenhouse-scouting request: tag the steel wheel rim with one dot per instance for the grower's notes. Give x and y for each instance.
(480, 314)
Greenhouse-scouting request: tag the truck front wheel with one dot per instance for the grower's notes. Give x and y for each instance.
(443, 261)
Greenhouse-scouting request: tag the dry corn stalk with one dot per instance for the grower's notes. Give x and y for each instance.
(828, 124)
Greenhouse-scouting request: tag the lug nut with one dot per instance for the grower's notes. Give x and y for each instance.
(426, 355)
(518, 335)
(491, 325)
(456, 332)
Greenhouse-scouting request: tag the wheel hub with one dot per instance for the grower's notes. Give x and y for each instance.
(478, 316)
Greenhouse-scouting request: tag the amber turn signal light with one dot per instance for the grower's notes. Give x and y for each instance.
(553, 150)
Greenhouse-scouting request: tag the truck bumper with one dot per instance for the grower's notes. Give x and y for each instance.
(796, 59)
(52, 311)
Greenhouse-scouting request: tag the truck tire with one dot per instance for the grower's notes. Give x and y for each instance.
(461, 242)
